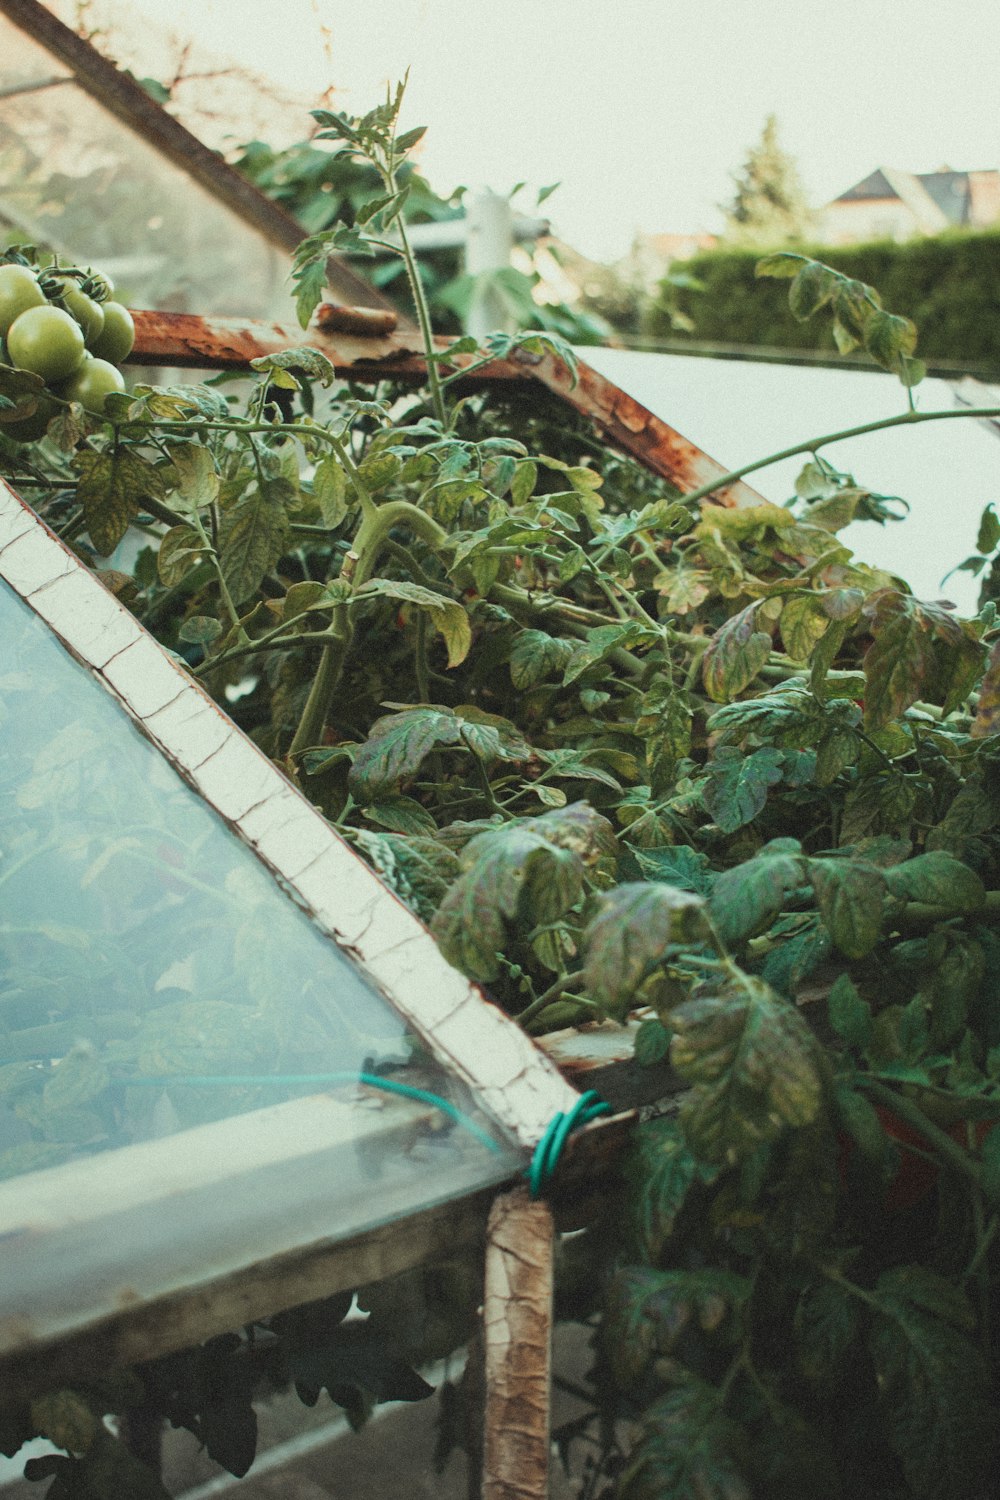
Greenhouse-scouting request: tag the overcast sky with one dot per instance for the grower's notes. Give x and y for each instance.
(641, 108)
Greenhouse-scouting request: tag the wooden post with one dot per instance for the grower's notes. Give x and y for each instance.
(517, 1336)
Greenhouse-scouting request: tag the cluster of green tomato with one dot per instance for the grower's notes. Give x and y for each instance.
(62, 324)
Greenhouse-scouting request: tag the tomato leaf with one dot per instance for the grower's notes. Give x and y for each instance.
(751, 1062)
(111, 488)
(629, 938)
(937, 880)
(737, 785)
(850, 896)
(735, 655)
(253, 535)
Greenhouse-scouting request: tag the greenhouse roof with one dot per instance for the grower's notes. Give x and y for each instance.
(226, 1048)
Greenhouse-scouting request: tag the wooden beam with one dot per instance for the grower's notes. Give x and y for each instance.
(517, 1339)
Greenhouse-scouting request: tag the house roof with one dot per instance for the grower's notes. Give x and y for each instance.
(936, 199)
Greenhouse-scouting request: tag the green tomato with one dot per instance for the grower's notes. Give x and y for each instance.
(117, 336)
(46, 341)
(19, 290)
(93, 381)
(88, 313)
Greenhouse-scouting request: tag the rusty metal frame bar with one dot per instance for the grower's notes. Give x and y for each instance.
(185, 340)
(128, 101)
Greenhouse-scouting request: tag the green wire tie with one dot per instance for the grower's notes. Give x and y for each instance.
(550, 1148)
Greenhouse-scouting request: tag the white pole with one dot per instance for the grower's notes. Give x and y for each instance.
(489, 240)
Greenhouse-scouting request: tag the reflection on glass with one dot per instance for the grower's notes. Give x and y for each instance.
(153, 976)
(75, 179)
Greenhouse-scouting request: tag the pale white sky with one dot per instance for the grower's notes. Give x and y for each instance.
(641, 108)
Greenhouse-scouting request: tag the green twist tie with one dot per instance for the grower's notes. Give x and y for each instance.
(550, 1148)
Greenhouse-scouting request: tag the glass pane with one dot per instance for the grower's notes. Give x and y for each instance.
(154, 978)
(74, 178)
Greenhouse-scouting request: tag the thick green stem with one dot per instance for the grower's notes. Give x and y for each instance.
(906, 419)
(913, 1115)
(324, 685)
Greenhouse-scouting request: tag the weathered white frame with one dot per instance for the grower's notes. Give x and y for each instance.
(472, 1039)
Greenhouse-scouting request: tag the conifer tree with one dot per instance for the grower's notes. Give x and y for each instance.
(769, 205)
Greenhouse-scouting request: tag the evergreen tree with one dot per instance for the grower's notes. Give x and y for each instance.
(769, 205)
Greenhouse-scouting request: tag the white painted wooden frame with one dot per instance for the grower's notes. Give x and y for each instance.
(472, 1039)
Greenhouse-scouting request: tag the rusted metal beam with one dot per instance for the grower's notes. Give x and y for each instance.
(183, 339)
(517, 1340)
(128, 101)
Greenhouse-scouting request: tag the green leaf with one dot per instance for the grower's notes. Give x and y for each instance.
(447, 615)
(737, 785)
(827, 1327)
(802, 627)
(850, 896)
(747, 898)
(687, 1449)
(419, 869)
(812, 288)
(536, 656)
(181, 549)
(80, 1077)
(989, 530)
(888, 338)
(735, 655)
(513, 874)
(897, 665)
(934, 1387)
(330, 491)
(751, 1062)
(649, 1312)
(652, 1043)
(200, 630)
(111, 489)
(850, 1016)
(313, 364)
(783, 263)
(252, 537)
(197, 480)
(600, 643)
(677, 865)
(661, 1171)
(397, 746)
(630, 937)
(66, 1419)
(937, 879)
(310, 284)
(402, 815)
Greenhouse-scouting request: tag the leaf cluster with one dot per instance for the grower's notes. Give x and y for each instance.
(619, 750)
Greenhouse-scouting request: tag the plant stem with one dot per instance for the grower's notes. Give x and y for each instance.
(423, 317)
(906, 419)
(911, 1112)
(547, 996)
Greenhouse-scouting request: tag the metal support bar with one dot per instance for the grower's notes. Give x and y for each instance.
(517, 1337)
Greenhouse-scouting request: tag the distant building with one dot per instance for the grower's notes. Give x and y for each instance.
(895, 205)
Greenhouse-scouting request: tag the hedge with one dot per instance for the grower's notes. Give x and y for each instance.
(949, 286)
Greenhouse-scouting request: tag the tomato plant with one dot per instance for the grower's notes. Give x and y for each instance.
(623, 747)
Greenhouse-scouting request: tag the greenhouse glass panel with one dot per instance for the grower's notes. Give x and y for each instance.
(73, 178)
(200, 1070)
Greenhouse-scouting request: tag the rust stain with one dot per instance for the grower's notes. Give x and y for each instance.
(365, 322)
(360, 344)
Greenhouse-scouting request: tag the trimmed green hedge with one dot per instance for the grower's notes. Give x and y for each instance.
(949, 286)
